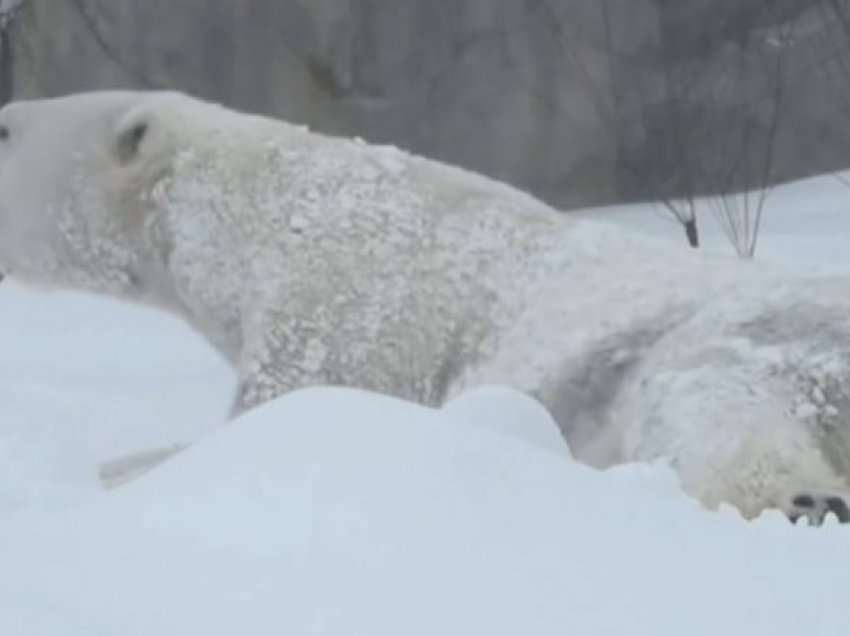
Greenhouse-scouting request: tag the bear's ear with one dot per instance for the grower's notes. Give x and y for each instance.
(131, 131)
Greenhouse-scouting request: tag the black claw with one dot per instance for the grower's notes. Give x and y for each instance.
(816, 507)
(804, 501)
(838, 507)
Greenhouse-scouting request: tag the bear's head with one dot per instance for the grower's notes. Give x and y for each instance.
(75, 180)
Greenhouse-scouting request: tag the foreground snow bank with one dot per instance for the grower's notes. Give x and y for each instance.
(84, 379)
(332, 511)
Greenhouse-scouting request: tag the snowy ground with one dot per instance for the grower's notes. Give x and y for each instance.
(337, 512)
(804, 223)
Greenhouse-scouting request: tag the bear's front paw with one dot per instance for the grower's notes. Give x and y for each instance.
(816, 507)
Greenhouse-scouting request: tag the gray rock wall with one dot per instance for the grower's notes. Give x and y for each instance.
(551, 96)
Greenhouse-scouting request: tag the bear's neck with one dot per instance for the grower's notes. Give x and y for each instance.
(199, 272)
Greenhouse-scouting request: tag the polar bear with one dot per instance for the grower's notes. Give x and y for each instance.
(306, 259)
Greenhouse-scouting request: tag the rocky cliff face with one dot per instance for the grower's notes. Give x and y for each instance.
(563, 98)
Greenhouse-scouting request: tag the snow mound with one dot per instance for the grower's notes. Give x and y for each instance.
(332, 511)
(509, 412)
(84, 379)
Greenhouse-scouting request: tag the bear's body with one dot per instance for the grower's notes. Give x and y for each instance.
(312, 260)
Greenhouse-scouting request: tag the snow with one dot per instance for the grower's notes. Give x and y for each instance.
(405, 523)
(332, 511)
(508, 412)
(83, 380)
(805, 223)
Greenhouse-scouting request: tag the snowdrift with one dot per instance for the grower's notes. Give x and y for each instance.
(338, 512)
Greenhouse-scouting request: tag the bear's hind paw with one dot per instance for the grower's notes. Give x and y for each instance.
(816, 508)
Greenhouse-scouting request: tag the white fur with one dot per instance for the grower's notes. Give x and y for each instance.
(311, 260)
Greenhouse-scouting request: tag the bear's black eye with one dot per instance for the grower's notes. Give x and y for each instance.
(137, 134)
(4, 133)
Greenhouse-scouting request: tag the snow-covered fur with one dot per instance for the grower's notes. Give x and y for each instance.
(312, 260)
